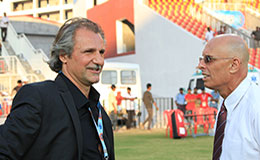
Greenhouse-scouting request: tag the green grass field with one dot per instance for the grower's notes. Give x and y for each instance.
(138, 144)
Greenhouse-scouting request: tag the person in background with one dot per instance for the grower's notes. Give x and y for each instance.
(130, 107)
(224, 65)
(63, 119)
(25, 80)
(204, 97)
(0, 48)
(119, 99)
(112, 106)
(190, 98)
(256, 36)
(197, 101)
(180, 100)
(149, 102)
(4, 25)
(17, 88)
(214, 99)
(209, 35)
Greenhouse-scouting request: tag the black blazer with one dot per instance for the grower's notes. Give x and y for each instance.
(44, 125)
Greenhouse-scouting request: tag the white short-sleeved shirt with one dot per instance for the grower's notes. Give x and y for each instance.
(209, 35)
(3, 23)
(129, 105)
(242, 132)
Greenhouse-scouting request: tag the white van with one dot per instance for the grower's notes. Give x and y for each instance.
(122, 75)
(196, 79)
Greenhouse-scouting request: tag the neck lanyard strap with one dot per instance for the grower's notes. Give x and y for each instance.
(99, 128)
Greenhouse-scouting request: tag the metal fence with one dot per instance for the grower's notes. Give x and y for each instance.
(163, 103)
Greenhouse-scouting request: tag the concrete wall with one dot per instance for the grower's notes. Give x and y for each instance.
(40, 35)
(41, 42)
(167, 54)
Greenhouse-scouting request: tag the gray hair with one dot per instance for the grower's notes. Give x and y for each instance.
(64, 41)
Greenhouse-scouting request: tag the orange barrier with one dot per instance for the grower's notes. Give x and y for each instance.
(205, 117)
(178, 129)
(167, 117)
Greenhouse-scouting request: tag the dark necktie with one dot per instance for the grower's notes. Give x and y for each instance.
(219, 135)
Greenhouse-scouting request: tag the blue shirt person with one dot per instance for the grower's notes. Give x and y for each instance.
(180, 100)
(214, 100)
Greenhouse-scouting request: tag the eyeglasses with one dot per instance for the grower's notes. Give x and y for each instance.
(208, 58)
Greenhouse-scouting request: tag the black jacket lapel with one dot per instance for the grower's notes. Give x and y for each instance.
(68, 100)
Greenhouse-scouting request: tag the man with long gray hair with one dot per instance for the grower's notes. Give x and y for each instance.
(63, 119)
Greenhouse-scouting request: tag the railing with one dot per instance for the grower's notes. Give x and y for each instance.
(224, 6)
(22, 47)
(163, 103)
(12, 70)
(9, 81)
(11, 65)
(210, 19)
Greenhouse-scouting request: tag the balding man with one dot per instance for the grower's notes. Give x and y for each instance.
(224, 64)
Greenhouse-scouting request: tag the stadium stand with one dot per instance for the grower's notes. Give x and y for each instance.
(179, 13)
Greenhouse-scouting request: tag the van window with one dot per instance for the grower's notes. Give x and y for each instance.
(191, 84)
(109, 77)
(128, 77)
(200, 83)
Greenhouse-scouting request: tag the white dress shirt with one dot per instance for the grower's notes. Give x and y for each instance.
(242, 132)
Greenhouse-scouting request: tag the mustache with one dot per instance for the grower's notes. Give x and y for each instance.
(97, 67)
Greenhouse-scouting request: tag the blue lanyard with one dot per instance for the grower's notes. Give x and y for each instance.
(99, 128)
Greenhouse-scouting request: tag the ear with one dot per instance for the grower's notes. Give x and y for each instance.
(63, 58)
(235, 65)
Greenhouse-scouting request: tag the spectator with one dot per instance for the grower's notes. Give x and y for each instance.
(222, 30)
(256, 36)
(4, 26)
(180, 100)
(197, 101)
(204, 97)
(149, 102)
(190, 98)
(209, 35)
(0, 48)
(119, 99)
(25, 80)
(17, 88)
(63, 119)
(214, 100)
(224, 65)
(130, 107)
(112, 106)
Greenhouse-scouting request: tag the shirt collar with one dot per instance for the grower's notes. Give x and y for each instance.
(79, 99)
(233, 99)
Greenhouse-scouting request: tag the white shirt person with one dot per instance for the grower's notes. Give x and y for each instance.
(242, 132)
